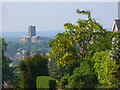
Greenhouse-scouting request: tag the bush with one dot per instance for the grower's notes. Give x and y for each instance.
(106, 69)
(32, 67)
(83, 77)
(63, 82)
(45, 82)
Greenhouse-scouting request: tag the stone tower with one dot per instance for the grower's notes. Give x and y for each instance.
(31, 31)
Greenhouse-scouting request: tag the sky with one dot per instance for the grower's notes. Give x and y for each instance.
(51, 16)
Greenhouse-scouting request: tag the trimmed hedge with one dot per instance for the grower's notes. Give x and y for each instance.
(45, 82)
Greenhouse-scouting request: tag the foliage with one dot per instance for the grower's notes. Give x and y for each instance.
(107, 70)
(64, 81)
(101, 43)
(83, 77)
(68, 47)
(8, 72)
(115, 53)
(45, 82)
(54, 71)
(32, 67)
(58, 72)
(13, 47)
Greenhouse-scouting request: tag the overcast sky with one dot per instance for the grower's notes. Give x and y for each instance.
(17, 16)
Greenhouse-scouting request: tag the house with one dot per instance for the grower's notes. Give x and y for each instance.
(18, 56)
(116, 26)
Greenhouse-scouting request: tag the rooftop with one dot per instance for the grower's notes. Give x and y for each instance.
(117, 22)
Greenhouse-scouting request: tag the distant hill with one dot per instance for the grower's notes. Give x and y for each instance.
(40, 33)
(16, 39)
(109, 29)
(15, 36)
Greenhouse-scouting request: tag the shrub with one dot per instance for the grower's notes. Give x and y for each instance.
(83, 77)
(45, 82)
(63, 81)
(107, 70)
(32, 67)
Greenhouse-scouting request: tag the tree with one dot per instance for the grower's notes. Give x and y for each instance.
(30, 68)
(107, 70)
(71, 47)
(82, 77)
(8, 73)
(13, 47)
(102, 43)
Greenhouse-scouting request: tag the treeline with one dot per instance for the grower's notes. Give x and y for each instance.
(41, 47)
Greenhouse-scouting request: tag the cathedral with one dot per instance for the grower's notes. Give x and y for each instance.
(31, 35)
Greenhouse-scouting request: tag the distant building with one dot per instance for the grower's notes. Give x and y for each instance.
(18, 56)
(35, 38)
(31, 31)
(31, 35)
(25, 39)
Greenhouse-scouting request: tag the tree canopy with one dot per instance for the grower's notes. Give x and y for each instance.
(30, 68)
(8, 74)
(72, 45)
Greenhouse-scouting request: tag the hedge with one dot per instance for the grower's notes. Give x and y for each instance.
(45, 82)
